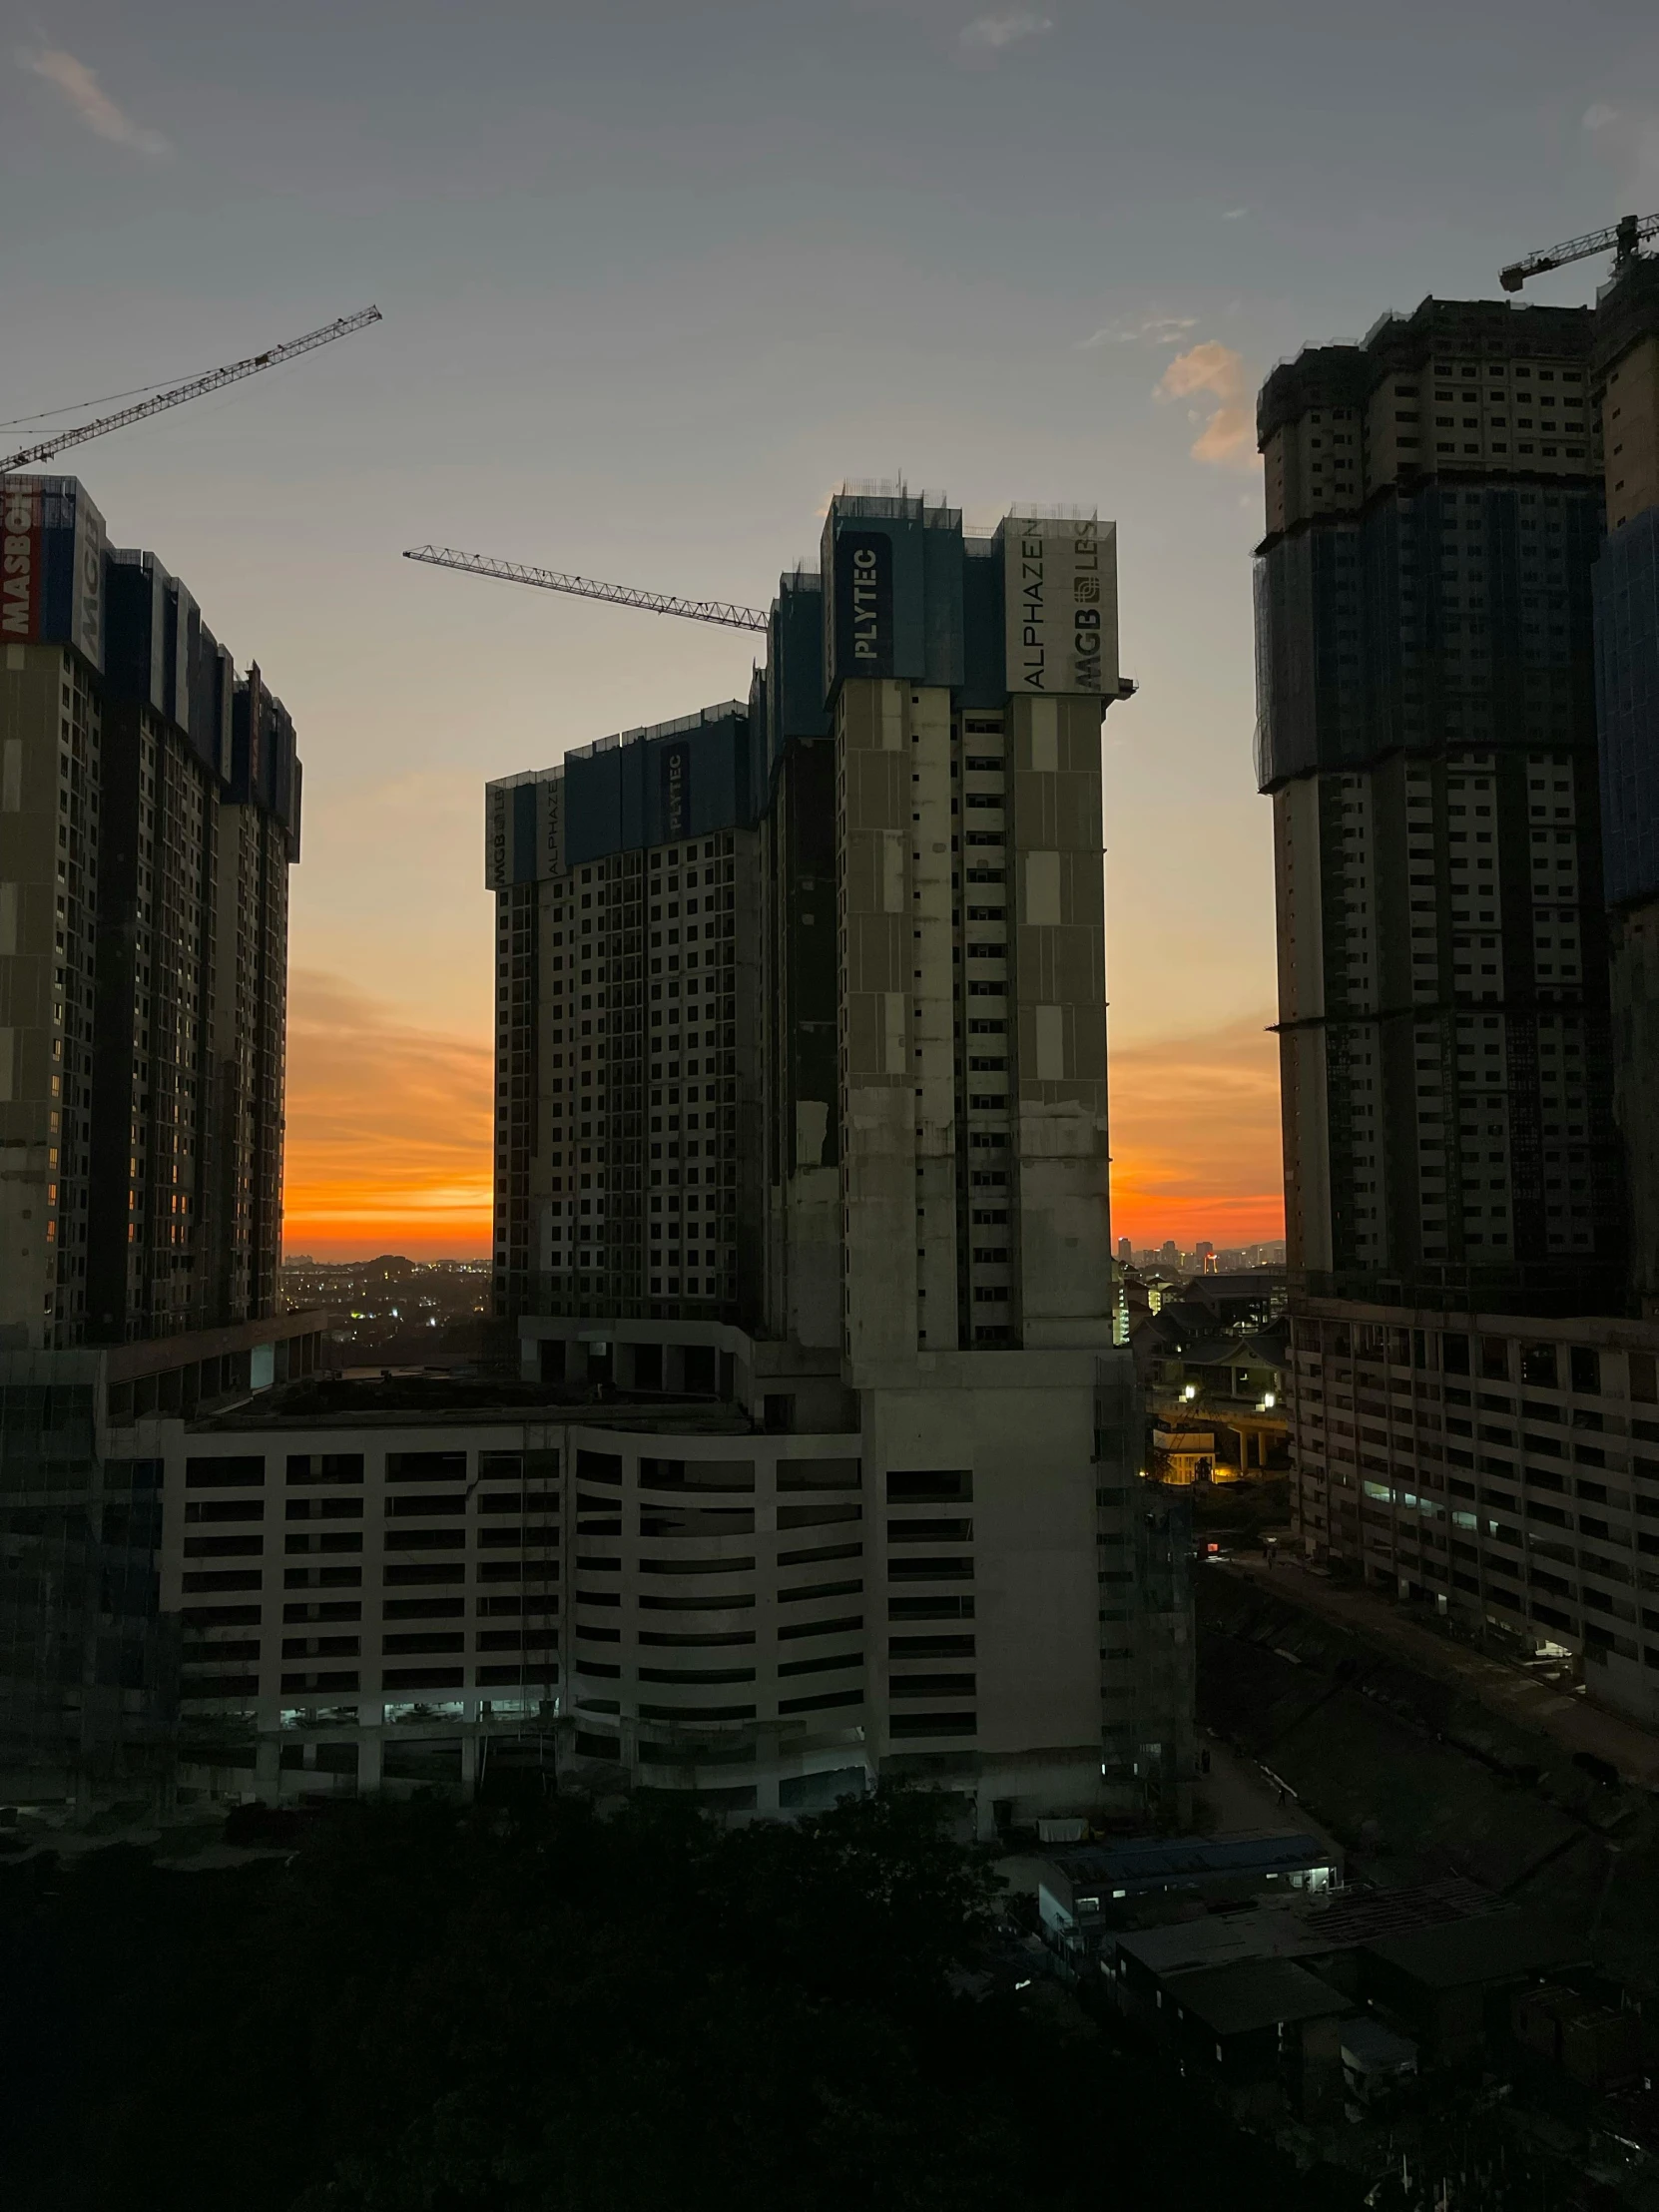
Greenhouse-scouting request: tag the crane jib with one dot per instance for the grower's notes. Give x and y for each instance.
(197, 388)
(725, 614)
(1621, 240)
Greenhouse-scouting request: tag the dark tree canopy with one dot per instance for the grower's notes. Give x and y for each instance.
(499, 2010)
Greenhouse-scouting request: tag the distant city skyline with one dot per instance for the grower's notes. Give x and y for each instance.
(653, 283)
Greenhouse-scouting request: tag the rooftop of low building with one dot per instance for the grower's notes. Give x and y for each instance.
(404, 1399)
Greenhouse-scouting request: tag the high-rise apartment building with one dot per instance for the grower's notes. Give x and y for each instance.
(802, 1101)
(149, 814)
(1626, 389)
(1427, 733)
(1459, 674)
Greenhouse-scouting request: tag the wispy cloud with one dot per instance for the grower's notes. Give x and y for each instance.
(1213, 371)
(86, 96)
(993, 34)
(1233, 214)
(388, 1128)
(1149, 330)
(1196, 1142)
(1627, 138)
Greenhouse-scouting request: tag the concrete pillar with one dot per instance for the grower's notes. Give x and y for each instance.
(267, 1770)
(368, 1761)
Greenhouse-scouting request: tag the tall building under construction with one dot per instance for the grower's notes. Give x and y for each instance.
(149, 815)
(802, 1102)
(1459, 650)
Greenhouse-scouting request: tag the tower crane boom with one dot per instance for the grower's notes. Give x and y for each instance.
(720, 611)
(1620, 238)
(197, 388)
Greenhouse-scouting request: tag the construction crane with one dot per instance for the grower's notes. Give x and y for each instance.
(725, 612)
(197, 388)
(720, 611)
(1621, 240)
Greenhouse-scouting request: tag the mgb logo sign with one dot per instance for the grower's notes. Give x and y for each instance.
(19, 562)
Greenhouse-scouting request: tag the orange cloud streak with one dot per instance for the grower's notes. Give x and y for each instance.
(389, 1126)
(388, 1130)
(1196, 1137)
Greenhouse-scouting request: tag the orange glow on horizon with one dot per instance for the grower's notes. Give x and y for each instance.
(1196, 1138)
(389, 1133)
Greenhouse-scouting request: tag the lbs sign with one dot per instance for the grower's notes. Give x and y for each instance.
(1060, 596)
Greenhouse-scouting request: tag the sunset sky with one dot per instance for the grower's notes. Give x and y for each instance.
(656, 279)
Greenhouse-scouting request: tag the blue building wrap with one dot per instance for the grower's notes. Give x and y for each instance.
(1626, 584)
(524, 833)
(655, 786)
(893, 570)
(1351, 665)
(794, 669)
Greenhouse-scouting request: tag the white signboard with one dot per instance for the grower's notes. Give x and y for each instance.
(1060, 602)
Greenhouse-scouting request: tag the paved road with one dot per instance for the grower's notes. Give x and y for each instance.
(1567, 1717)
(1238, 1796)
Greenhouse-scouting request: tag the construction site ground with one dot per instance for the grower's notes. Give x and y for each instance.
(1424, 1757)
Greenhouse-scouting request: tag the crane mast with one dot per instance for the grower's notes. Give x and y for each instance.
(1622, 240)
(197, 388)
(721, 612)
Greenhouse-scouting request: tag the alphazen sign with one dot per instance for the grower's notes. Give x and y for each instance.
(1060, 602)
(524, 830)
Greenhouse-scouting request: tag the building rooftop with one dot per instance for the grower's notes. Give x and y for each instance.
(401, 1401)
(1300, 1924)
(1252, 1994)
(1171, 1863)
(1492, 1947)
(1272, 1930)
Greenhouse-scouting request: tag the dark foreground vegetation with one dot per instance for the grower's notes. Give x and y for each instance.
(526, 2008)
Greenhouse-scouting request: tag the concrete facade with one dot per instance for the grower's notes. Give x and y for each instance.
(662, 1591)
(149, 815)
(1428, 738)
(1503, 1470)
(906, 1132)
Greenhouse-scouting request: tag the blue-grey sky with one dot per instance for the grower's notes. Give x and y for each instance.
(656, 279)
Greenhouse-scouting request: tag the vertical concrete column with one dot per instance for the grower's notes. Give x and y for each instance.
(368, 1761)
(934, 1013)
(874, 790)
(267, 1770)
(1057, 1013)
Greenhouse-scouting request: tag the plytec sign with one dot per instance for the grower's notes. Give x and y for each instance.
(1060, 596)
(864, 611)
(674, 768)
